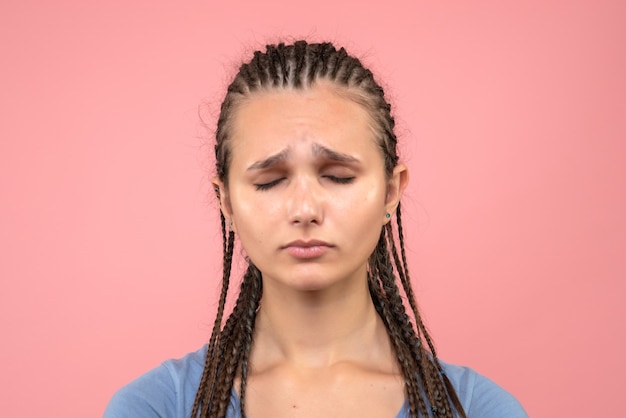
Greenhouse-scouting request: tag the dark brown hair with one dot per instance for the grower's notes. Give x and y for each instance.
(300, 66)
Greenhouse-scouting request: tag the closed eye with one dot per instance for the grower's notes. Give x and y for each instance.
(334, 179)
(340, 180)
(269, 185)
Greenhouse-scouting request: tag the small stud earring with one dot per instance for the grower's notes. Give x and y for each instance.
(388, 215)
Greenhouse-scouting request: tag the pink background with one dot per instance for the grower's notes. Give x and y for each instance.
(512, 115)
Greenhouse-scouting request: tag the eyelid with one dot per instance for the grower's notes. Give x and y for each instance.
(268, 185)
(339, 171)
(336, 179)
(340, 179)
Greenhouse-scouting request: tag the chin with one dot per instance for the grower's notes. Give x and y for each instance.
(310, 284)
(302, 282)
(319, 284)
(313, 279)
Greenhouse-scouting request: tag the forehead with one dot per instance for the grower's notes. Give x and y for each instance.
(282, 117)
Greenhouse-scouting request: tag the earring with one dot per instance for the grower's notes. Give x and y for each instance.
(388, 215)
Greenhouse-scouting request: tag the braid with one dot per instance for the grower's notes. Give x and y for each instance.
(421, 372)
(209, 372)
(300, 66)
(233, 348)
(415, 352)
(254, 291)
(403, 272)
(385, 295)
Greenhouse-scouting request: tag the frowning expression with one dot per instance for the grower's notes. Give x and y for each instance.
(307, 191)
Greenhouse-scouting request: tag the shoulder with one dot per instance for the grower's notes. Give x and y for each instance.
(166, 391)
(480, 396)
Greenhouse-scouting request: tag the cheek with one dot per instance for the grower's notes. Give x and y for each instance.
(258, 210)
(367, 199)
(254, 217)
(250, 233)
(363, 211)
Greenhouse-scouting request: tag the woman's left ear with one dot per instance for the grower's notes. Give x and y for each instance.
(395, 188)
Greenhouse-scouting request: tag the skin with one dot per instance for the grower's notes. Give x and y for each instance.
(307, 198)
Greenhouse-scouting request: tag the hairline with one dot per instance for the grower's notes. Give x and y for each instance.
(352, 93)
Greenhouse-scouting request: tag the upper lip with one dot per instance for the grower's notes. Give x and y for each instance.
(307, 243)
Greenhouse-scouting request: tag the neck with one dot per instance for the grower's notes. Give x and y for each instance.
(319, 328)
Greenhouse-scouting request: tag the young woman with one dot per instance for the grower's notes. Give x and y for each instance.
(309, 181)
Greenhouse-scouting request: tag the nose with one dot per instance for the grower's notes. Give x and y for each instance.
(305, 202)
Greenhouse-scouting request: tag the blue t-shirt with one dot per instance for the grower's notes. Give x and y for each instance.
(169, 391)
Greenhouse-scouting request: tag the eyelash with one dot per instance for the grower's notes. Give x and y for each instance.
(335, 179)
(267, 186)
(340, 180)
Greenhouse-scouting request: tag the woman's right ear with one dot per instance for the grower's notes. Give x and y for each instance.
(222, 197)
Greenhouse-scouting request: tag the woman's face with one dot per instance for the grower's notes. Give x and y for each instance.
(307, 192)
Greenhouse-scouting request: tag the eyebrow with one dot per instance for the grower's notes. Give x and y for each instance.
(318, 151)
(270, 161)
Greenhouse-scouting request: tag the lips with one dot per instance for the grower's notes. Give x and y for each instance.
(307, 249)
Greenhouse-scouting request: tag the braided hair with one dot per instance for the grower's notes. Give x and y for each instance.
(299, 66)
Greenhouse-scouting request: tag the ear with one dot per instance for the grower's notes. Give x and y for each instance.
(222, 196)
(395, 188)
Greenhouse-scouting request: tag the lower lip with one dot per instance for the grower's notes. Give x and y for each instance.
(307, 252)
